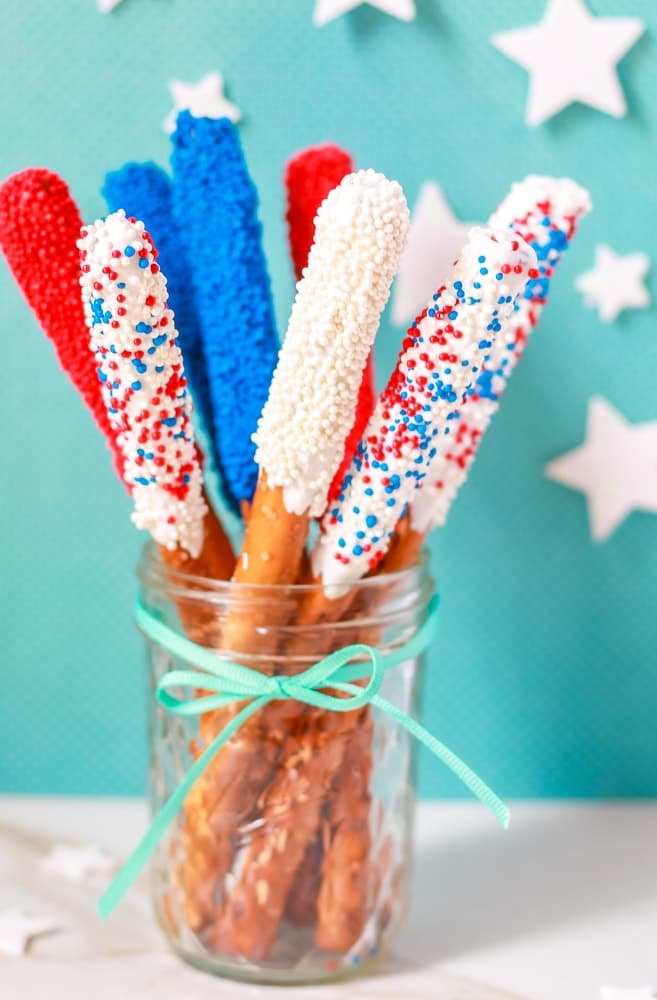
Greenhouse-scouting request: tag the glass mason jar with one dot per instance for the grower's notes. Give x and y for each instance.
(289, 861)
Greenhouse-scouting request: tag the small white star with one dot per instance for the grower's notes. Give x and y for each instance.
(435, 240)
(571, 56)
(80, 863)
(642, 993)
(615, 283)
(616, 468)
(18, 929)
(204, 99)
(328, 10)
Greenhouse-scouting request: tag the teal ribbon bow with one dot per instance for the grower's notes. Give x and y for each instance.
(233, 682)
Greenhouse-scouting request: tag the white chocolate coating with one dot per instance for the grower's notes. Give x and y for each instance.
(360, 232)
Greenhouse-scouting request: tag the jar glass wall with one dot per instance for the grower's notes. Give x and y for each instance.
(289, 861)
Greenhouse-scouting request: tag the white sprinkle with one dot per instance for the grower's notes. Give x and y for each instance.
(360, 232)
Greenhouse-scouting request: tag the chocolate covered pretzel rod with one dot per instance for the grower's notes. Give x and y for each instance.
(359, 235)
(545, 212)
(140, 370)
(440, 358)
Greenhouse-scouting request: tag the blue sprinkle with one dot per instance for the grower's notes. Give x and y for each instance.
(135, 385)
(483, 270)
(143, 328)
(370, 520)
(121, 284)
(341, 543)
(169, 421)
(129, 251)
(141, 480)
(357, 550)
(143, 262)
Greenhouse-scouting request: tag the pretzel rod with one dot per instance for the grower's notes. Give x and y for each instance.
(309, 178)
(343, 904)
(215, 206)
(422, 396)
(39, 228)
(544, 212)
(359, 235)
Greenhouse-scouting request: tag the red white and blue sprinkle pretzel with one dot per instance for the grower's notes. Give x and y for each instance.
(441, 357)
(140, 368)
(545, 212)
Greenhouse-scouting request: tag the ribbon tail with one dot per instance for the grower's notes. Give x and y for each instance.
(142, 853)
(477, 785)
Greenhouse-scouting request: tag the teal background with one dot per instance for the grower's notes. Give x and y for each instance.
(544, 674)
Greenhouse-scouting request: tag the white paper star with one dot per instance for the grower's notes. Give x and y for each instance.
(204, 99)
(571, 56)
(18, 928)
(80, 863)
(615, 283)
(435, 240)
(328, 10)
(616, 468)
(642, 993)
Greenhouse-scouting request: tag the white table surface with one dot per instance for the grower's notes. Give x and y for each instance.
(562, 903)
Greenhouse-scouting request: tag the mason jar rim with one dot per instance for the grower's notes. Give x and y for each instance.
(388, 600)
(153, 571)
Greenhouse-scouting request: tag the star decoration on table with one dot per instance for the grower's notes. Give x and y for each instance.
(328, 10)
(616, 467)
(571, 55)
(642, 993)
(79, 862)
(615, 283)
(435, 240)
(18, 929)
(204, 99)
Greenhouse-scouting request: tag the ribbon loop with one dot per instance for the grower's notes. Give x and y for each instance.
(231, 683)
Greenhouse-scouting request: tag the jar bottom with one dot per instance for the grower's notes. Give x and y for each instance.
(313, 971)
(314, 968)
